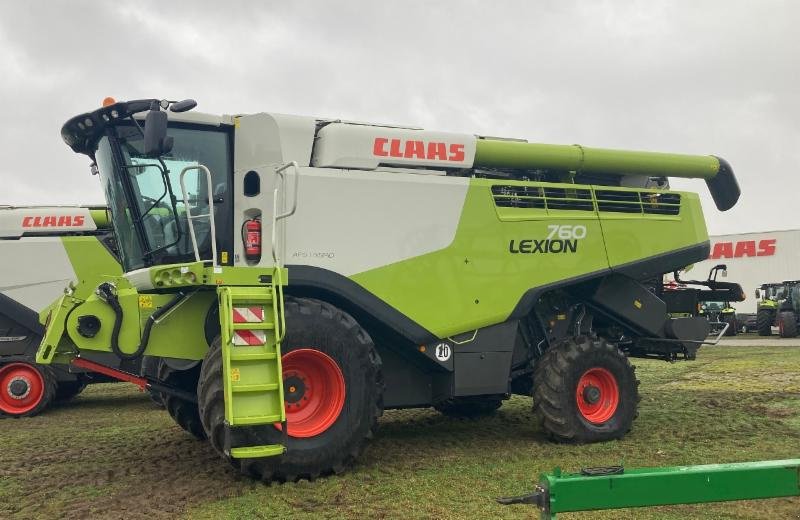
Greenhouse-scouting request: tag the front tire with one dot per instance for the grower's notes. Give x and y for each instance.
(67, 390)
(764, 320)
(320, 339)
(585, 390)
(184, 413)
(26, 389)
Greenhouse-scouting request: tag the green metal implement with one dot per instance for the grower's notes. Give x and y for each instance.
(617, 488)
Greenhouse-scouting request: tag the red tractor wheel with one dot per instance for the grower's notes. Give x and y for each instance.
(597, 395)
(313, 391)
(25, 389)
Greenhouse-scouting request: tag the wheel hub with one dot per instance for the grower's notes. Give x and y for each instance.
(294, 389)
(19, 388)
(591, 394)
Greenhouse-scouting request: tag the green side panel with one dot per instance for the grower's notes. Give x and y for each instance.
(674, 485)
(94, 306)
(478, 279)
(54, 320)
(629, 237)
(514, 154)
(181, 332)
(92, 262)
(178, 334)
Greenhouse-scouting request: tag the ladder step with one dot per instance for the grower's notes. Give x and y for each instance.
(254, 326)
(257, 419)
(266, 387)
(256, 356)
(252, 452)
(260, 295)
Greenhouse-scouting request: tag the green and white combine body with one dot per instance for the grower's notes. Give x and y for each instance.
(461, 268)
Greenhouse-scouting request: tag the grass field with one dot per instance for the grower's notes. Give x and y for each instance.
(111, 454)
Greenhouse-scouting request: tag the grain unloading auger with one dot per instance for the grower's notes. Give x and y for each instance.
(297, 276)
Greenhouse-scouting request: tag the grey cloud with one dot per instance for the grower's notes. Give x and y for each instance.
(697, 77)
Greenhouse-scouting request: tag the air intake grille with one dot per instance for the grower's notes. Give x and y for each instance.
(543, 197)
(582, 199)
(649, 202)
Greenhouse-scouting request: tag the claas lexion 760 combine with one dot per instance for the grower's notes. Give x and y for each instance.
(297, 276)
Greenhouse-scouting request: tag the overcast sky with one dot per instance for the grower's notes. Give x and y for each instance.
(708, 77)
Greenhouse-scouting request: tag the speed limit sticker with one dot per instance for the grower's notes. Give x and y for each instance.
(443, 352)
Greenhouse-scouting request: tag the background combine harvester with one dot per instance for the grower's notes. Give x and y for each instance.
(44, 249)
(300, 275)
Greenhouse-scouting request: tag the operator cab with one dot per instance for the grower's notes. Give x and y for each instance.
(143, 188)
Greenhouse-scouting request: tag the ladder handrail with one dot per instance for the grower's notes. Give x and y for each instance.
(210, 214)
(280, 216)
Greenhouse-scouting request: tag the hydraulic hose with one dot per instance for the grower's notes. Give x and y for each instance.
(107, 292)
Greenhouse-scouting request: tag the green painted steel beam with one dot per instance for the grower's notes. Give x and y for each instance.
(493, 153)
(647, 487)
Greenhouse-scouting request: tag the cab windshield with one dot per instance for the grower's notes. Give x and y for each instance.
(144, 195)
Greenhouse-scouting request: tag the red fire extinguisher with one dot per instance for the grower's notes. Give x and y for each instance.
(252, 239)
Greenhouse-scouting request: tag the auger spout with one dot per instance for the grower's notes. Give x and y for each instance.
(717, 173)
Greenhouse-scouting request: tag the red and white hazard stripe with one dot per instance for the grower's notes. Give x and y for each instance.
(244, 338)
(248, 314)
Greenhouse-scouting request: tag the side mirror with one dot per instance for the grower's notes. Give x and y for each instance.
(156, 141)
(758, 294)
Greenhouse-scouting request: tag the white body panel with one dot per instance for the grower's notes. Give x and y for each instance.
(753, 259)
(35, 270)
(15, 222)
(376, 218)
(341, 145)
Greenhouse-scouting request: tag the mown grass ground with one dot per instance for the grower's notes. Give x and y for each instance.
(110, 454)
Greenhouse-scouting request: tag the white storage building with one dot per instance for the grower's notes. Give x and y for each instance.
(753, 259)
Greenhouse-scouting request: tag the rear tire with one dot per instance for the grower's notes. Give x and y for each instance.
(311, 325)
(585, 390)
(733, 327)
(469, 407)
(26, 389)
(787, 324)
(184, 413)
(764, 320)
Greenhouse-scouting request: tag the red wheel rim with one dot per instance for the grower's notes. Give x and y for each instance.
(597, 395)
(313, 392)
(21, 388)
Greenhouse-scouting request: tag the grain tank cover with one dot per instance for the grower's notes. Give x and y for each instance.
(343, 145)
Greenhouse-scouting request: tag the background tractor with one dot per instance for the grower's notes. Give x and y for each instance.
(778, 306)
(710, 298)
(296, 276)
(720, 314)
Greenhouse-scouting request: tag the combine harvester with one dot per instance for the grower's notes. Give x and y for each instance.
(44, 249)
(301, 275)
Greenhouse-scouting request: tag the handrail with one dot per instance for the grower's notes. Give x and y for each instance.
(210, 214)
(280, 216)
